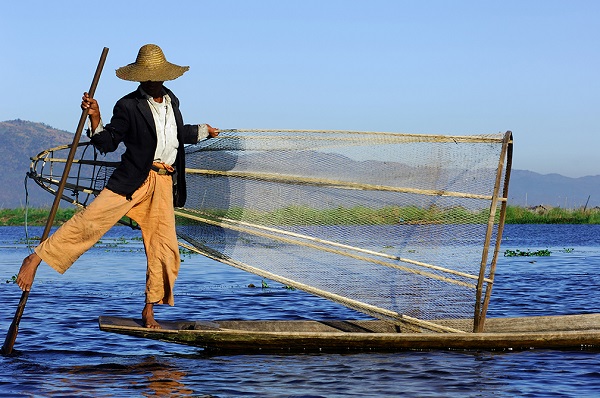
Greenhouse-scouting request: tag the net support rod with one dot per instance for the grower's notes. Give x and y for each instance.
(334, 251)
(85, 161)
(481, 308)
(340, 245)
(507, 150)
(42, 181)
(415, 137)
(355, 304)
(335, 183)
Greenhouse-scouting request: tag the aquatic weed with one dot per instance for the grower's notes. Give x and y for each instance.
(528, 253)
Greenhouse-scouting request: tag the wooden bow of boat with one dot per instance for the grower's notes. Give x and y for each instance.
(549, 332)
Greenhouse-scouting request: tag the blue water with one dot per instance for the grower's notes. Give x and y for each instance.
(61, 352)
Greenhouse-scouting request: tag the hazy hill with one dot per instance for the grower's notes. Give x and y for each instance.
(19, 140)
(529, 189)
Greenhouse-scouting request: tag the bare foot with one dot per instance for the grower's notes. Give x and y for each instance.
(27, 271)
(148, 317)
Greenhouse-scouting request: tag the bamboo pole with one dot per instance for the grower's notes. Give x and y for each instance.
(11, 336)
(276, 177)
(329, 250)
(410, 137)
(481, 308)
(348, 302)
(488, 292)
(185, 212)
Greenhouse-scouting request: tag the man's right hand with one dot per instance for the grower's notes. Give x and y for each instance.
(93, 109)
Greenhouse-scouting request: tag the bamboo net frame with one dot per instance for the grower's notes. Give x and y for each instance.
(282, 145)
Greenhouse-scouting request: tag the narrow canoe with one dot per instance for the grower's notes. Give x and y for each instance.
(549, 332)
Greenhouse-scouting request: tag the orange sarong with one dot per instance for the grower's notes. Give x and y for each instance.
(151, 206)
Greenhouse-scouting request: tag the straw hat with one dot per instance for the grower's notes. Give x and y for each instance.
(151, 65)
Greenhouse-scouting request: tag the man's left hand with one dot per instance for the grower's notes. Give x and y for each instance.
(213, 132)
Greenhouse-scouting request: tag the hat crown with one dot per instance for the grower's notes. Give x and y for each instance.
(151, 65)
(150, 56)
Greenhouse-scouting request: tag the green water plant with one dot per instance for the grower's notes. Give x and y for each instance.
(528, 253)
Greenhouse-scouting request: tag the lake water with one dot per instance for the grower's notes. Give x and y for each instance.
(61, 352)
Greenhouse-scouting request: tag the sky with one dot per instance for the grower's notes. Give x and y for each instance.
(455, 67)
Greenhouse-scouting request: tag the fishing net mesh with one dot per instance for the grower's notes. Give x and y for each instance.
(402, 227)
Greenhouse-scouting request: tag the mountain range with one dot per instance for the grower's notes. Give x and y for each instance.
(20, 139)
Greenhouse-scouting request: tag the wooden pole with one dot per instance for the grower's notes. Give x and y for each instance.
(11, 336)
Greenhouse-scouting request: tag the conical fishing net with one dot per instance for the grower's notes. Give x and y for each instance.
(403, 227)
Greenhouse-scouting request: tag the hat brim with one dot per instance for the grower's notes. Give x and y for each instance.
(136, 73)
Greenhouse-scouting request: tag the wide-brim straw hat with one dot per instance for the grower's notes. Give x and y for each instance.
(151, 65)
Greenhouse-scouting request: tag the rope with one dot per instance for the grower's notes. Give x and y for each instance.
(27, 214)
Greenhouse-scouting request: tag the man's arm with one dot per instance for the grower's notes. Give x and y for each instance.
(104, 139)
(196, 133)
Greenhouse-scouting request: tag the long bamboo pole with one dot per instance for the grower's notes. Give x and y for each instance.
(348, 302)
(11, 336)
(239, 228)
(479, 317)
(501, 222)
(299, 180)
(224, 222)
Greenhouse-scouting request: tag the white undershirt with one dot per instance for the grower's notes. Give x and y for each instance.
(166, 129)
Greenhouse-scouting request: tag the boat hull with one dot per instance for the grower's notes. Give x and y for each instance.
(544, 332)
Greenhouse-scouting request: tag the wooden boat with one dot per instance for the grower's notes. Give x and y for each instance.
(231, 336)
(449, 194)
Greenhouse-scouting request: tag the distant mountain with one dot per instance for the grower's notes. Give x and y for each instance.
(530, 189)
(19, 140)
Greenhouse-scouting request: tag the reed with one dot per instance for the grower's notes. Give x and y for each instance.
(359, 215)
(33, 216)
(557, 215)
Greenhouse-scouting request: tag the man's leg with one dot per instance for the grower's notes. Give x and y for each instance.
(157, 221)
(75, 236)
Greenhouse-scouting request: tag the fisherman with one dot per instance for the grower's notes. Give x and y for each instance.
(146, 186)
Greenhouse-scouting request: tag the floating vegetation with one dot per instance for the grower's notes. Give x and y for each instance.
(13, 279)
(528, 253)
(186, 253)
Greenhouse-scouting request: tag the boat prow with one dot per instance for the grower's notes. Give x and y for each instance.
(547, 332)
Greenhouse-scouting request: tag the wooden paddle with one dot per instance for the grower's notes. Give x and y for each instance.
(11, 336)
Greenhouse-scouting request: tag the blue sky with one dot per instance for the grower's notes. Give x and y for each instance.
(432, 67)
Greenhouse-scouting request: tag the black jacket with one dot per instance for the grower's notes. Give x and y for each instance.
(132, 123)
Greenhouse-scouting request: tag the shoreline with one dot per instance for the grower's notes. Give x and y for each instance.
(514, 215)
